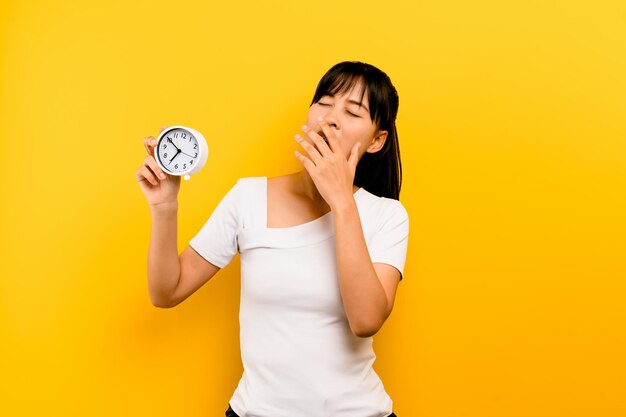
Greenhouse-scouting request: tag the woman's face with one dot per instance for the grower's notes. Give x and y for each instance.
(349, 122)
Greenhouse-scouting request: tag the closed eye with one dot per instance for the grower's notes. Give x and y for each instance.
(351, 114)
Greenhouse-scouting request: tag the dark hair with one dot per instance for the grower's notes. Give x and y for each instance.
(379, 173)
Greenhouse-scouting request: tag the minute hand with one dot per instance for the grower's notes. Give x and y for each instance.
(174, 144)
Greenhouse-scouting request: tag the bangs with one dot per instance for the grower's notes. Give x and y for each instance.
(344, 83)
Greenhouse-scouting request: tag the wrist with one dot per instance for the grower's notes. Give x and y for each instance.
(164, 208)
(344, 207)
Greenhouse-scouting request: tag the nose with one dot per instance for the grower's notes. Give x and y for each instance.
(331, 119)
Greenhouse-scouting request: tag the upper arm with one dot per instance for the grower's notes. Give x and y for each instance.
(388, 249)
(195, 271)
(389, 278)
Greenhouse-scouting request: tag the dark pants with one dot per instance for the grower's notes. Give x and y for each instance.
(231, 413)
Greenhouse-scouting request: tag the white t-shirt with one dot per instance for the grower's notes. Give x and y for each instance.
(300, 357)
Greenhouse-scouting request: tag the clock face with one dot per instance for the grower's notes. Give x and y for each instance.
(178, 151)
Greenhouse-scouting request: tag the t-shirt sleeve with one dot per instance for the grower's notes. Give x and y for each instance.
(389, 244)
(217, 239)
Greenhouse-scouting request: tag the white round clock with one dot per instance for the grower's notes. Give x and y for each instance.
(181, 151)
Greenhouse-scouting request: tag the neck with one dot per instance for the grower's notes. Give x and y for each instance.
(305, 187)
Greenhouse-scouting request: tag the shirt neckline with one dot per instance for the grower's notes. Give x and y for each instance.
(301, 225)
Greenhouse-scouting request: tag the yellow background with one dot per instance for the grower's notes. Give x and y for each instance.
(512, 134)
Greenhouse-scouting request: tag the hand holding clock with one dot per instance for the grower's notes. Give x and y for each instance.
(159, 176)
(160, 189)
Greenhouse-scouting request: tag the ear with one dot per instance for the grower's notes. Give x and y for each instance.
(378, 142)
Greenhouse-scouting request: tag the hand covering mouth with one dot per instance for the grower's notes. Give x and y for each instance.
(321, 133)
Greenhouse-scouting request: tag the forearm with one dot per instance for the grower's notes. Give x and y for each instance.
(163, 260)
(362, 293)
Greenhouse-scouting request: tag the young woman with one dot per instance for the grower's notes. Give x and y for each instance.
(322, 251)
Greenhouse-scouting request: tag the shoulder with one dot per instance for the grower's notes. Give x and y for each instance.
(247, 193)
(245, 181)
(246, 184)
(241, 190)
(383, 208)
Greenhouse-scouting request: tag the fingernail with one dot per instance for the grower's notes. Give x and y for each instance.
(320, 119)
(162, 176)
(304, 127)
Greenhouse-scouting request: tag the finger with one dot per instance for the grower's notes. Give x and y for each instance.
(308, 165)
(150, 143)
(146, 145)
(144, 174)
(333, 143)
(321, 145)
(311, 151)
(152, 164)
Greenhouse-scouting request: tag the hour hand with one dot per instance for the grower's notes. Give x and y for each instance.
(179, 151)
